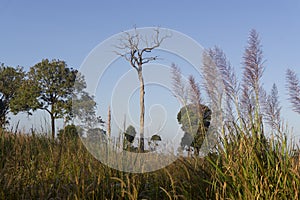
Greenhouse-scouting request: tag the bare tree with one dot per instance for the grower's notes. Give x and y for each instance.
(134, 47)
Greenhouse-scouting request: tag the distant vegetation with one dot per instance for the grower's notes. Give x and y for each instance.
(50, 86)
(252, 158)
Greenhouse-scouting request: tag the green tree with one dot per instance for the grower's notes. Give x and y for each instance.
(130, 133)
(195, 121)
(51, 86)
(154, 142)
(10, 81)
(70, 132)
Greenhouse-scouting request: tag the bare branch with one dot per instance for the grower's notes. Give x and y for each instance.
(157, 40)
(211, 79)
(132, 47)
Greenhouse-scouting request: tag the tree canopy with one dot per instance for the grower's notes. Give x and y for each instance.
(195, 121)
(51, 86)
(10, 81)
(130, 133)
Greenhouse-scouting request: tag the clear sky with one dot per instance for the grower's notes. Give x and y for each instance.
(32, 30)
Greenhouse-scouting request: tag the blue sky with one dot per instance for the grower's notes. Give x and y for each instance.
(32, 30)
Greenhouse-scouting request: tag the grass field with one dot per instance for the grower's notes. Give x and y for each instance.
(36, 167)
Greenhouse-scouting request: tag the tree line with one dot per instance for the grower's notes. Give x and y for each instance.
(49, 85)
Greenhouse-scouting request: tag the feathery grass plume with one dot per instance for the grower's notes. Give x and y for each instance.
(195, 98)
(212, 80)
(178, 85)
(253, 62)
(247, 105)
(272, 109)
(180, 91)
(230, 82)
(194, 92)
(253, 71)
(293, 86)
(227, 71)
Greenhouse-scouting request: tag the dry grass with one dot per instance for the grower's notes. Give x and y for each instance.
(35, 167)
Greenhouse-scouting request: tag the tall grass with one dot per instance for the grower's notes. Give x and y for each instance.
(35, 167)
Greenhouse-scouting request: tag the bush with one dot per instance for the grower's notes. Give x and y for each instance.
(70, 132)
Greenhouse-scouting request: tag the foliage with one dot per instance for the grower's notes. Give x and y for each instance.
(10, 81)
(50, 86)
(193, 116)
(70, 132)
(195, 123)
(155, 138)
(130, 133)
(154, 142)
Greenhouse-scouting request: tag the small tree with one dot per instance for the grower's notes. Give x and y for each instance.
(70, 132)
(154, 142)
(10, 81)
(195, 123)
(193, 116)
(129, 135)
(134, 49)
(50, 86)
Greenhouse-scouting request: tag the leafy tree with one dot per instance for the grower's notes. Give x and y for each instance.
(83, 108)
(50, 86)
(154, 142)
(130, 133)
(10, 80)
(70, 132)
(134, 49)
(195, 121)
(129, 136)
(193, 116)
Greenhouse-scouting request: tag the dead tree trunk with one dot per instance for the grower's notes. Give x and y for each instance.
(142, 110)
